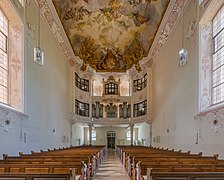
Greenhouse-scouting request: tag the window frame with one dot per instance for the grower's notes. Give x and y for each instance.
(93, 135)
(128, 135)
(205, 56)
(82, 112)
(219, 50)
(81, 83)
(16, 53)
(111, 89)
(140, 84)
(5, 52)
(137, 109)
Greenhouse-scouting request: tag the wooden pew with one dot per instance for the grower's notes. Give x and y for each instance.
(68, 161)
(187, 176)
(35, 176)
(157, 163)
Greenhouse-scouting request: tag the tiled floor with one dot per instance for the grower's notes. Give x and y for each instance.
(111, 168)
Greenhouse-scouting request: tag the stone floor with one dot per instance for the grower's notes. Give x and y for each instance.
(111, 168)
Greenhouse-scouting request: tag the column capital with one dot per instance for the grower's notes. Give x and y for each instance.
(90, 124)
(132, 125)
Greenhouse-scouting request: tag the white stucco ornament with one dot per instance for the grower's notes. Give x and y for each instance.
(191, 29)
(215, 126)
(6, 123)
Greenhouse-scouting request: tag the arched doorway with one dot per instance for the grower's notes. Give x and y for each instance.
(111, 135)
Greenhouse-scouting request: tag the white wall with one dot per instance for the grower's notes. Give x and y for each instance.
(175, 97)
(101, 135)
(46, 96)
(144, 133)
(175, 92)
(77, 133)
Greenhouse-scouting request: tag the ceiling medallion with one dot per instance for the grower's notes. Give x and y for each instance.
(111, 35)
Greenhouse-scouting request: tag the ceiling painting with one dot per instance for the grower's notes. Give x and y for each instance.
(111, 35)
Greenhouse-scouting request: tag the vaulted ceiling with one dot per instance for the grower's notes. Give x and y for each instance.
(111, 35)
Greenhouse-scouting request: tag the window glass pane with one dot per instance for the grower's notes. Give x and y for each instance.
(140, 84)
(81, 108)
(218, 58)
(128, 135)
(82, 84)
(3, 58)
(140, 108)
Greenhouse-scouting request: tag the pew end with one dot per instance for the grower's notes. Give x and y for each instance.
(5, 156)
(216, 156)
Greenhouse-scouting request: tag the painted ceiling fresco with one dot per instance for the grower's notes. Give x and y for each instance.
(111, 35)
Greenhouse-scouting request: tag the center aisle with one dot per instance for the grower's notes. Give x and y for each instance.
(111, 168)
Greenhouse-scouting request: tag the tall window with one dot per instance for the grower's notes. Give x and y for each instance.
(11, 56)
(81, 108)
(218, 58)
(128, 135)
(111, 89)
(3, 58)
(140, 84)
(93, 135)
(82, 84)
(140, 109)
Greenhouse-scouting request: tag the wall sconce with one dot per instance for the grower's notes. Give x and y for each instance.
(39, 55)
(38, 52)
(183, 53)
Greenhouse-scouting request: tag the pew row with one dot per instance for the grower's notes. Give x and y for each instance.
(155, 163)
(81, 162)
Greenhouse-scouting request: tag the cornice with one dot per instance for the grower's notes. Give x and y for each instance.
(168, 24)
(167, 27)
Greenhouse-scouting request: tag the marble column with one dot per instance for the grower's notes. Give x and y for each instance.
(132, 133)
(90, 134)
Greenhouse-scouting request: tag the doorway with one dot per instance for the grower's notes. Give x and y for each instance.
(111, 136)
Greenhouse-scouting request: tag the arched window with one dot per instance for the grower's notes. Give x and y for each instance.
(4, 64)
(140, 109)
(93, 135)
(211, 57)
(11, 57)
(140, 84)
(111, 89)
(218, 58)
(82, 84)
(128, 135)
(81, 108)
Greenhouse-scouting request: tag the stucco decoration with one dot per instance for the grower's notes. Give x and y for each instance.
(110, 35)
(140, 119)
(191, 29)
(57, 32)
(205, 64)
(16, 63)
(9, 116)
(167, 26)
(215, 119)
(76, 118)
(163, 34)
(15, 54)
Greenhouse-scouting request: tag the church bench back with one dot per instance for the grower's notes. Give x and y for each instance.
(35, 176)
(48, 162)
(188, 175)
(159, 160)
